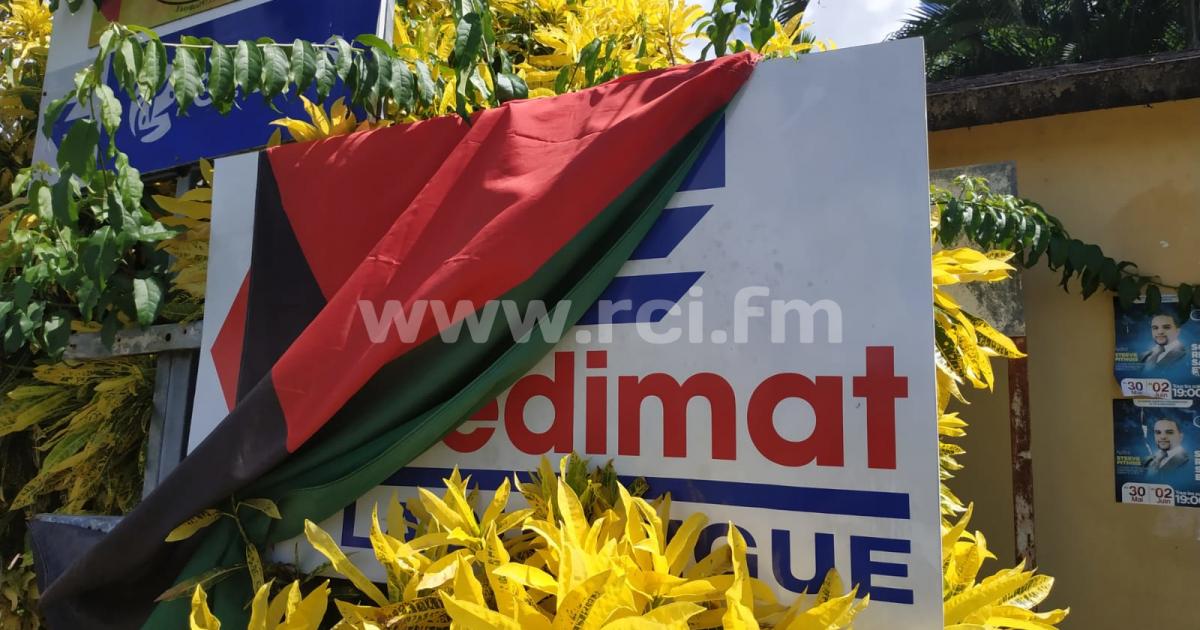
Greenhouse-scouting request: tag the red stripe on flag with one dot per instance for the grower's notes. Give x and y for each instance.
(367, 179)
(524, 180)
(227, 347)
(111, 9)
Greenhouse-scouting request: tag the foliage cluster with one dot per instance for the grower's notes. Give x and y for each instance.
(87, 420)
(972, 37)
(964, 350)
(72, 438)
(575, 558)
(24, 44)
(557, 47)
(973, 212)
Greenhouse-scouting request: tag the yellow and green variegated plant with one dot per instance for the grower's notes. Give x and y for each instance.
(964, 350)
(603, 562)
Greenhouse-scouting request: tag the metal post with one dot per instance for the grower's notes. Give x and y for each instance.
(174, 384)
(1022, 457)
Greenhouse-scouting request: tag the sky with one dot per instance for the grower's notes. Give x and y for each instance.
(856, 22)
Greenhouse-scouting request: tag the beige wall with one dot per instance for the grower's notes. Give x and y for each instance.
(1129, 180)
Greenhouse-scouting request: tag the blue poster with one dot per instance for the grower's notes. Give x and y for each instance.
(1157, 448)
(1157, 353)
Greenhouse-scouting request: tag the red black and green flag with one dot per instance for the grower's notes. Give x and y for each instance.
(535, 200)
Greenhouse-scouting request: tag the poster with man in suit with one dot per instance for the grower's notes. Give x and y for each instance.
(1156, 445)
(1157, 351)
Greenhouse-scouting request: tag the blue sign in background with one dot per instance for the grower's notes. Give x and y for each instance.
(156, 137)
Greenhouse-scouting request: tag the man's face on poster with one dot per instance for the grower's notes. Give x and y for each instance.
(1167, 435)
(1163, 329)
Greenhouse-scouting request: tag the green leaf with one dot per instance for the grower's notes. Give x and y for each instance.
(304, 64)
(88, 297)
(987, 227)
(760, 33)
(108, 329)
(376, 42)
(109, 40)
(383, 79)
(1153, 298)
(115, 215)
(147, 298)
(126, 64)
(13, 338)
(354, 83)
(467, 37)
(185, 76)
(22, 291)
(1089, 282)
(53, 112)
(479, 85)
(587, 60)
(66, 209)
(325, 75)
(67, 446)
(1058, 251)
(153, 73)
(425, 88)
(247, 66)
(1109, 274)
(366, 78)
(255, 566)
(77, 152)
(266, 506)
(1077, 253)
(1186, 294)
(85, 82)
(509, 87)
(403, 84)
(1041, 241)
(276, 70)
(220, 78)
(563, 79)
(110, 109)
(99, 256)
(188, 528)
(1093, 257)
(950, 223)
(128, 182)
(57, 332)
(345, 58)
(205, 580)
(41, 201)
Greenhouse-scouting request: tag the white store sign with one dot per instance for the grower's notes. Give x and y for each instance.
(796, 398)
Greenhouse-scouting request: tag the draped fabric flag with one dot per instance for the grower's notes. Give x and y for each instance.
(536, 200)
